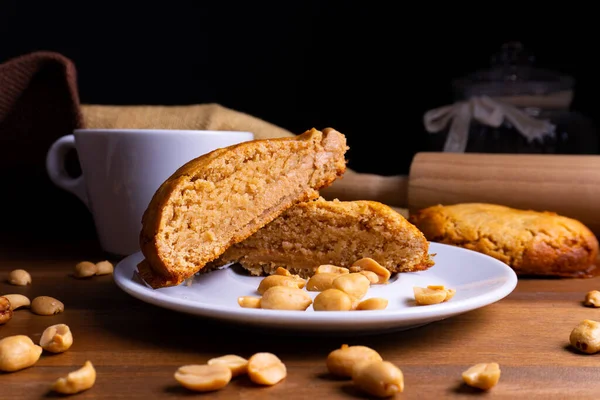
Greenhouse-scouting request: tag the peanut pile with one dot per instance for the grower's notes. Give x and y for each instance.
(340, 289)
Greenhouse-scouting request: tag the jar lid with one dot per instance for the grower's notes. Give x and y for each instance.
(511, 74)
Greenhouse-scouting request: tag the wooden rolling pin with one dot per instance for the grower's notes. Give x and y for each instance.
(566, 184)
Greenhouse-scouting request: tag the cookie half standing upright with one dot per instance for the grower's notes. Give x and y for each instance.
(335, 232)
(532, 242)
(223, 197)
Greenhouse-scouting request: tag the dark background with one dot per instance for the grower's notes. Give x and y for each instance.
(369, 69)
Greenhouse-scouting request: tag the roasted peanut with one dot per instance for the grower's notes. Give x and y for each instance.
(18, 352)
(85, 269)
(77, 381)
(46, 305)
(331, 269)
(284, 272)
(104, 268)
(379, 379)
(354, 284)
(56, 338)
(19, 277)
(321, 281)
(276, 280)
(238, 365)
(371, 276)
(17, 301)
(332, 300)
(368, 264)
(427, 296)
(585, 337)
(266, 369)
(374, 303)
(249, 301)
(343, 361)
(592, 299)
(203, 378)
(6, 312)
(482, 376)
(299, 281)
(436, 287)
(432, 294)
(285, 298)
(449, 292)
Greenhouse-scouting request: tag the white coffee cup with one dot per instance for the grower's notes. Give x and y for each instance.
(123, 168)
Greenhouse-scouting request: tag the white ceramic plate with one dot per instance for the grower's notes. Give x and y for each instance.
(479, 280)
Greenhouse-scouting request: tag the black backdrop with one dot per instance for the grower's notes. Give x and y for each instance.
(369, 69)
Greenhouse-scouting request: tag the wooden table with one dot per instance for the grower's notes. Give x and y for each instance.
(137, 347)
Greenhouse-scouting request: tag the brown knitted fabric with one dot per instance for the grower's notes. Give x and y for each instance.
(38, 104)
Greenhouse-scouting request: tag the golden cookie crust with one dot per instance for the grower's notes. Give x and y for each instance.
(531, 242)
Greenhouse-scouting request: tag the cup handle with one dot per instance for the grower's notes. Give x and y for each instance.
(55, 166)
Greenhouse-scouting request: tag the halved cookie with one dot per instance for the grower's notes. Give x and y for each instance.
(221, 198)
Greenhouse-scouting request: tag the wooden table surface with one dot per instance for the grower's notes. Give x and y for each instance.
(137, 347)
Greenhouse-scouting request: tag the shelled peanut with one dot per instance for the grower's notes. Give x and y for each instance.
(18, 352)
(57, 338)
(17, 301)
(585, 337)
(76, 381)
(432, 294)
(341, 289)
(482, 376)
(19, 277)
(592, 299)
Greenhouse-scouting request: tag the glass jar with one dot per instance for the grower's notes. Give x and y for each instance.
(542, 95)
